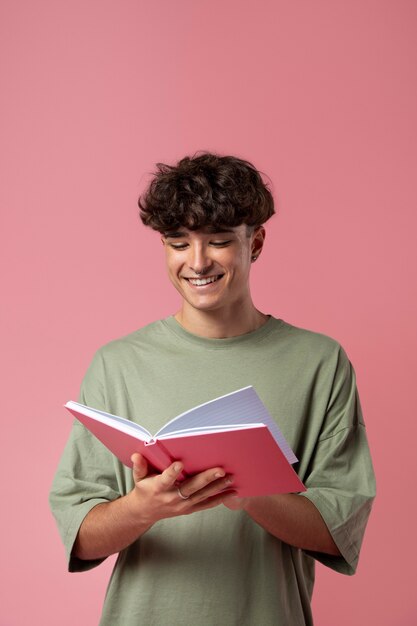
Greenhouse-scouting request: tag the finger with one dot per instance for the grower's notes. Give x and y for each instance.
(232, 501)
(202, 480)
(211, 489)
(171, 474)
(140, 467)
(210, 503)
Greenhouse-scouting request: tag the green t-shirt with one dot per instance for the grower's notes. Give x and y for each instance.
(218, 567)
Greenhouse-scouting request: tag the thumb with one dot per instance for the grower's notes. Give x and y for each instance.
(140, 467)
(233, 502)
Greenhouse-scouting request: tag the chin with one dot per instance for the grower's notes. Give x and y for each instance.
(203, 306)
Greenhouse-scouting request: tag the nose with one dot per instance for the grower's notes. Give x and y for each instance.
(199, 261)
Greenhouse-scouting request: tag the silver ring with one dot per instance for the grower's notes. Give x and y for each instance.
(181, 495)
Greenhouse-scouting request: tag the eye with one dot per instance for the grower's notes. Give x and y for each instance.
(178, 246)
(220, 244)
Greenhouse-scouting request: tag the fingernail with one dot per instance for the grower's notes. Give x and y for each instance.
(229, 480)
(219, 475)
(177, 467)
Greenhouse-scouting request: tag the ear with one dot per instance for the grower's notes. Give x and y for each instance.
(258, 240)
(163, 240)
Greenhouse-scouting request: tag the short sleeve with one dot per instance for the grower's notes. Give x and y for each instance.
(341, 481)
(86, 474)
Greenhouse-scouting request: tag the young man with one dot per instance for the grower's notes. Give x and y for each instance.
(199, 554)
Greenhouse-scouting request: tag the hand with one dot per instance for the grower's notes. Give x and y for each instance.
(156, 496)
(234, 503)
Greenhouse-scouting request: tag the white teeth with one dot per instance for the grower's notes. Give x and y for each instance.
(203, 281)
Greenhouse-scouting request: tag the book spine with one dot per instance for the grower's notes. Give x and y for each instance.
(157, 454)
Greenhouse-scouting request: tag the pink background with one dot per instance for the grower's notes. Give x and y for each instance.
(320, 95)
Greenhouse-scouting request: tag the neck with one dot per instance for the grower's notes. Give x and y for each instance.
(220, 325)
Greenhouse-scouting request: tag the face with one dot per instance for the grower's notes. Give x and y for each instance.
(211, 269)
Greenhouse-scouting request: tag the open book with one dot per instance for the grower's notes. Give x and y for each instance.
(234, 432)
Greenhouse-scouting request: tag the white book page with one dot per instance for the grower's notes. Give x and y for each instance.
(239, 407)
(208, 431)
(120, 423)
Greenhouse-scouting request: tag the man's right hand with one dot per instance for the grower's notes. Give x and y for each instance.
(112, 526)
(159, 496)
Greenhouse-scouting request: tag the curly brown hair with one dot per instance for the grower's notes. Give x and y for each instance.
(207, 190)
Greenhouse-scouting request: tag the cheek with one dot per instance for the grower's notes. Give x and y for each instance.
(232, 259)
(172, 264)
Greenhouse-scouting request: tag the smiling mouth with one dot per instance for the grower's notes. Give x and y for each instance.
(200, 282)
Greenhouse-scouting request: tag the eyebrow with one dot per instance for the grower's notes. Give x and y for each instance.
(209, 230)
